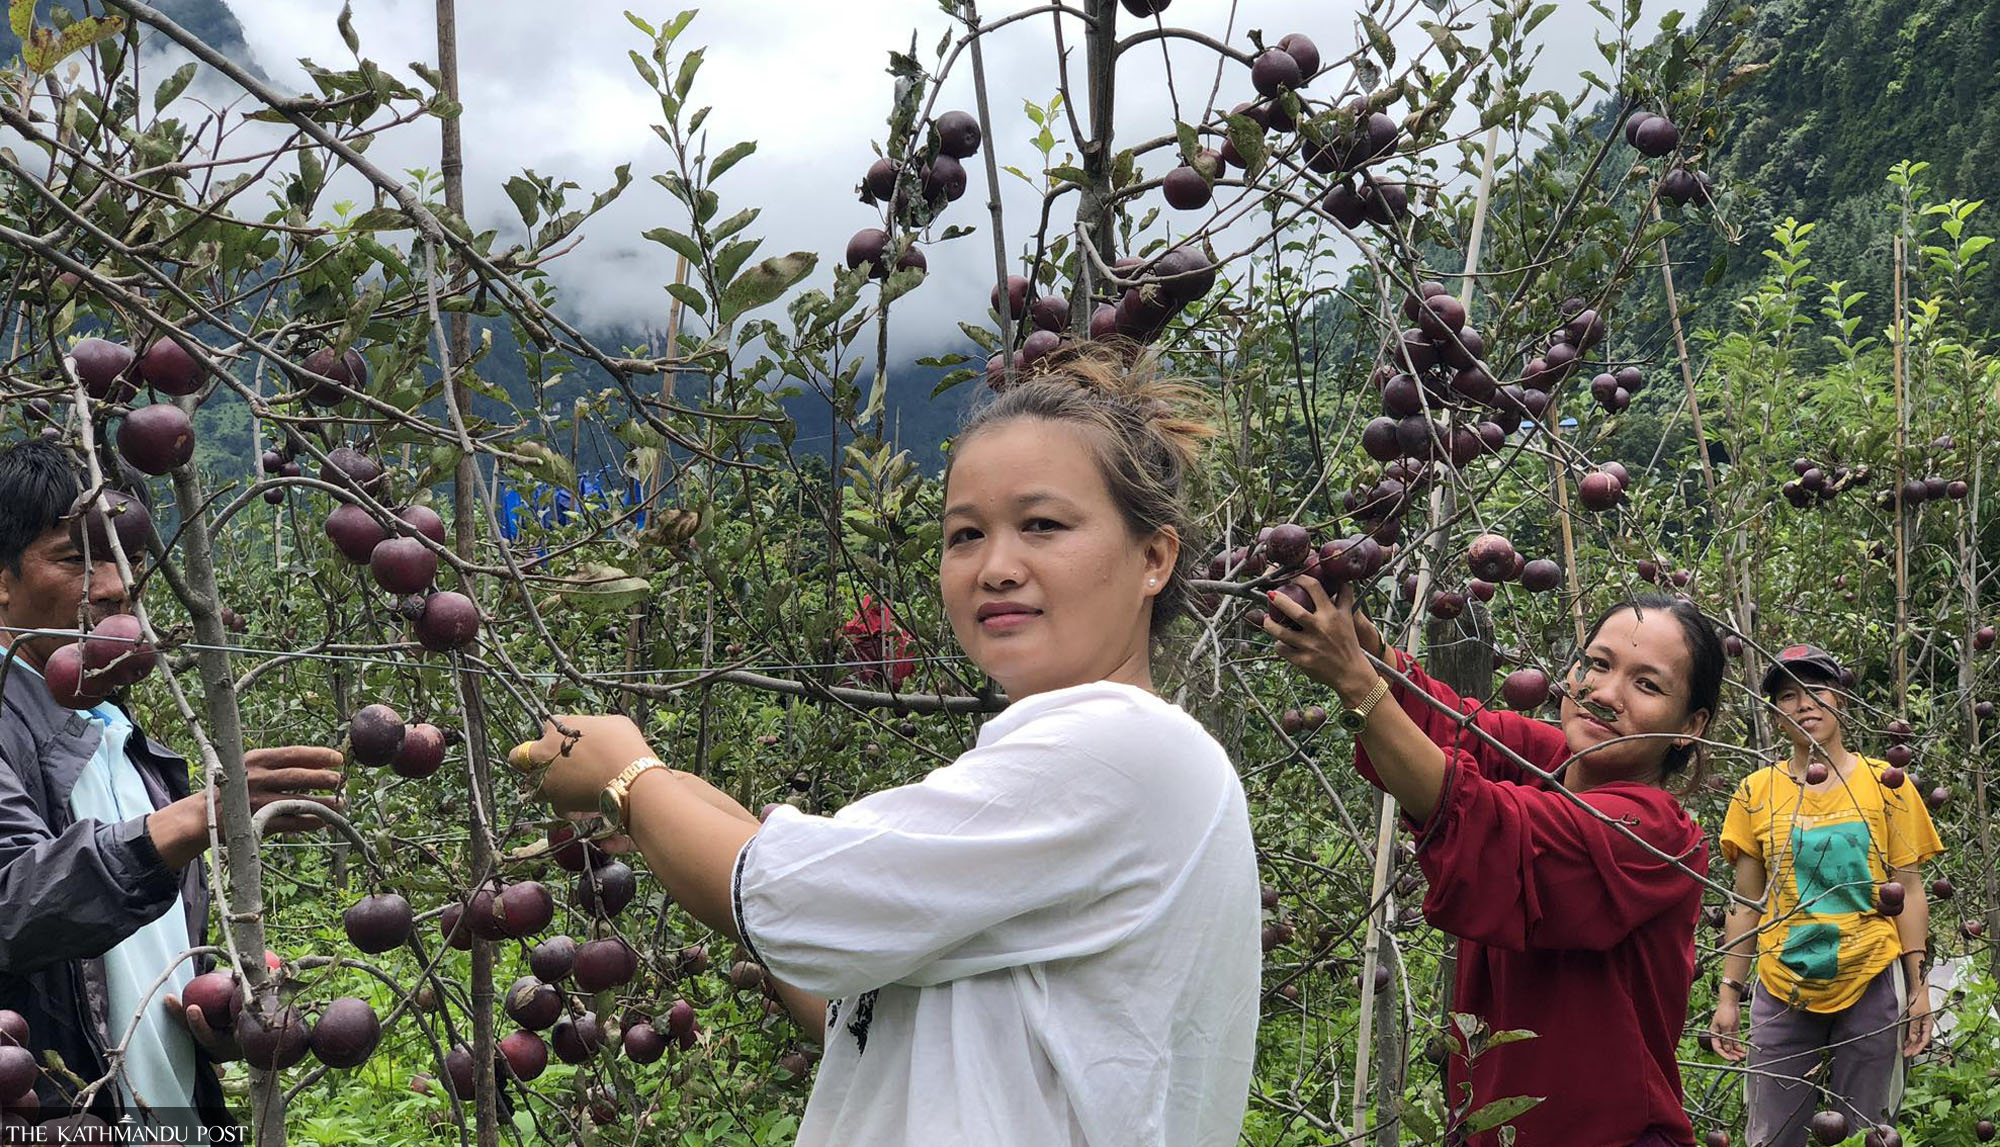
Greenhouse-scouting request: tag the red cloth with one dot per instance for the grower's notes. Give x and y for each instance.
(1566, 928)
(879, 643)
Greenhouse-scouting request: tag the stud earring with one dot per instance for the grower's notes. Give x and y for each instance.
(1152, 581)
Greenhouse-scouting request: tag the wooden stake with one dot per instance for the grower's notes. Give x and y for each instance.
(1739, 578)
(1385, 827)
(1903, 510)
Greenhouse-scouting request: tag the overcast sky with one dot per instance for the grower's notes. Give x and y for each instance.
(549, 87)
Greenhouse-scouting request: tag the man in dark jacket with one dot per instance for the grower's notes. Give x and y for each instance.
(89, 903)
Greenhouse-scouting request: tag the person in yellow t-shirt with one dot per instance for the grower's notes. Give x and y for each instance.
(1834, 837)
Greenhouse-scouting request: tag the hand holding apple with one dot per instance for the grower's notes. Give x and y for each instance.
(583, 760)
(1325, 637)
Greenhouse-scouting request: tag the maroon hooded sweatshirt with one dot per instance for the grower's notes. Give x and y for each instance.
(1566, 928)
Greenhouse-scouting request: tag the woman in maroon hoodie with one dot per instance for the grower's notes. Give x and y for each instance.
(1569, 925)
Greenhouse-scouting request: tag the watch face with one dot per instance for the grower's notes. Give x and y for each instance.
(607, 804)
(1352, 720)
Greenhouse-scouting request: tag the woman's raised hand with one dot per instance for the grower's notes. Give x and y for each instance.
(1330, 637)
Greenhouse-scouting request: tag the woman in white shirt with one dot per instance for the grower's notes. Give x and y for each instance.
(1054, 939)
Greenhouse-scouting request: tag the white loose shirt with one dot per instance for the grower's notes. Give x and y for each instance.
(160, 1059)
(1051, 941)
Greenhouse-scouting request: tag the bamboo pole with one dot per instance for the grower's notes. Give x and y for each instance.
(1739, 577)
(1904, 511)
(1385, 827)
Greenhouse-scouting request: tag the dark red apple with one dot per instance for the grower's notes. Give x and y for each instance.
(523, 909)
(354, 533)
(89, 526)
(958, 134)
(378, 923)
(1941, 889)
(1303, 50)
(102, 367)
(1982, 638)
(602, 964)
(553, 959)
(533, 1004)
(1185, 189)
(116, 654)
(458, 1073)
(1275, 71)
(1889, 898)
(526, 1055)
(1541, 575)
(62, 673)
(1893, 777)
(169, 369)
(347, 467)
(869, 247)
(18, 1071)
(745, 976)
(346, 1033)
(349, 371)
(456, 934)
(644, 1043)
(156, 438)
(1490, 557)
(1899, 755)
(403, 565)
(1654, 137)
(449, 621)
(1288, 545)
(422, 752)
(606, 890)
(13, 1028)
(1017, 297)
(1526, 690)
(274, 1044)
(1600, 491)
(374, 734)
(218, 995)
(423, 520)
(1816, 773)
(577, 1040)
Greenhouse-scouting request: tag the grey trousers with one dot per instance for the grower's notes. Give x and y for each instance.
(1864, 1045)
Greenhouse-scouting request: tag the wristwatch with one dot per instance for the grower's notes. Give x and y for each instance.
(1356, 719)
(614, 802)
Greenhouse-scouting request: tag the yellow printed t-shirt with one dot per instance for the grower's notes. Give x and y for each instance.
(1821, 941)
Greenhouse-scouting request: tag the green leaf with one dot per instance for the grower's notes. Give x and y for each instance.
(1378, 39)
(1511, 1035)
(1657, 230)
(645, 69)
(730, 158)
(604, 589)
(1190, 143)
(380, 219)
(175, 85)
(733, 224)
(764, 282)
(689, 297)
(1499, 1111)
(953, 379)
(678, 243)
(1248, 140)
(346, 25)
(523, 194)
(690, 64)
